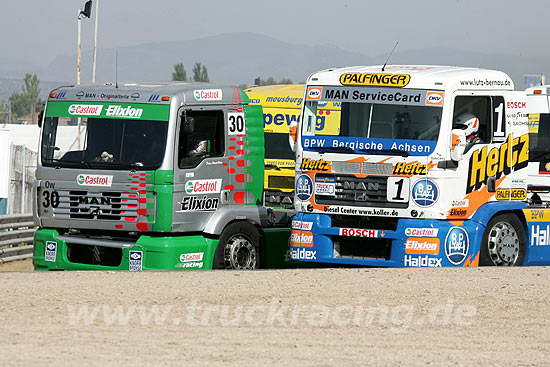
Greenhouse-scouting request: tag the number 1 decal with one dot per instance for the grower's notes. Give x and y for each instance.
(235, 123)
(398, 189)
(499, 130)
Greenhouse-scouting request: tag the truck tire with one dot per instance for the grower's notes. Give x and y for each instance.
(239, 247)
(503, 242)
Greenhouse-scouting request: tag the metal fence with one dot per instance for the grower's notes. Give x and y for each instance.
(22, 168)
(16, 237)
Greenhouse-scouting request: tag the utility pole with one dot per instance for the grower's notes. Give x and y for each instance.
(81, 13)
(95, 39)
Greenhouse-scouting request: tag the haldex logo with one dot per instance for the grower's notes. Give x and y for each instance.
(127, 112)
(85, 110)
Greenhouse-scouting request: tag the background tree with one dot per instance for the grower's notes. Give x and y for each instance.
(200, 74)
(27, 101)
(179, 73)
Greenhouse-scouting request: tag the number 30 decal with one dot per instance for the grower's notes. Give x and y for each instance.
(236, 125)
(398, 189)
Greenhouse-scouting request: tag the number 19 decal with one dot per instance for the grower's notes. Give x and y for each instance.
(235, 123)
(398, 189)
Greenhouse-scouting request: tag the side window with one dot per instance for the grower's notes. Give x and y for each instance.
(206, 140)
(489, 112)
(539, 138)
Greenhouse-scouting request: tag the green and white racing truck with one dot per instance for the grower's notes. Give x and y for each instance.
(158, 176)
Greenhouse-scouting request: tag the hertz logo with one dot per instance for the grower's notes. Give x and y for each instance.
(512, 154)
(312, 164)
(403, 168)
(378, 80)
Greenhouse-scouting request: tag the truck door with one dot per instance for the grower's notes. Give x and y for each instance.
(200, 167)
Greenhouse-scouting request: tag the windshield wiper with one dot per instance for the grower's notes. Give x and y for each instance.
(332, 149)
(400, 152)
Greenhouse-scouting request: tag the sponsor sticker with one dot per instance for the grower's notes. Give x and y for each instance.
(304, 187)
(208, 94)
(537, 215)
(126, 112)
(136, 261)
(50, 252)
(421, 261)
(85, 110)
(540, 235)
(303, 254)
(193, 203)
(511, 194)
(314, 93)
(356, 232)
(422, 246)
(407, 169)
(485, 163)
(421, 232)
(375, 79)
(196, 256)
(464, 203)
(94, 180)
(301, 238)
(312, 164)
(425, 193)
(197, 187)
(434, 98)
(457, 244)
(297, 224)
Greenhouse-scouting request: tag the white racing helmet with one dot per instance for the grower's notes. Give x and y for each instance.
(469, 123)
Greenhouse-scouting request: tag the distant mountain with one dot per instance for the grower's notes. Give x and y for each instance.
(239, 58)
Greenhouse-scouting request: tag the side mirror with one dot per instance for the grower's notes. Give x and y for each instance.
(187, 123)
(292, 135)
(40, 118)
(458, 144)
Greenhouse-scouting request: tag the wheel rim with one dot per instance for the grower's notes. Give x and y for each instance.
(240, 253)
(503, 244)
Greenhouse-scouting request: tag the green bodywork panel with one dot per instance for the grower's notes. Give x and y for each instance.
(159, 253)
(255, 152)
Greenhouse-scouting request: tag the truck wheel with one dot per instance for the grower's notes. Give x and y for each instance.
(503, 242)
(239, 247)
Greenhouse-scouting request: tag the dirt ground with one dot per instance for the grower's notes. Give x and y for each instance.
(326, 317)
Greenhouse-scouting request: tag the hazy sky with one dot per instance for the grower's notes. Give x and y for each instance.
(36, 31)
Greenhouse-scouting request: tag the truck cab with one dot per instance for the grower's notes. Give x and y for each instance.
(153, 176)
(428, 168)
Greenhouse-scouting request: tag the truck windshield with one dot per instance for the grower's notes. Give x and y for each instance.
(277, 146)
(371, 128)
(103, 143)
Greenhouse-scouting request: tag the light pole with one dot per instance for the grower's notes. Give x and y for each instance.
(95, 38)
(81, 13)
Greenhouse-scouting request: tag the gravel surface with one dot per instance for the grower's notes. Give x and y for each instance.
(325, 317)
